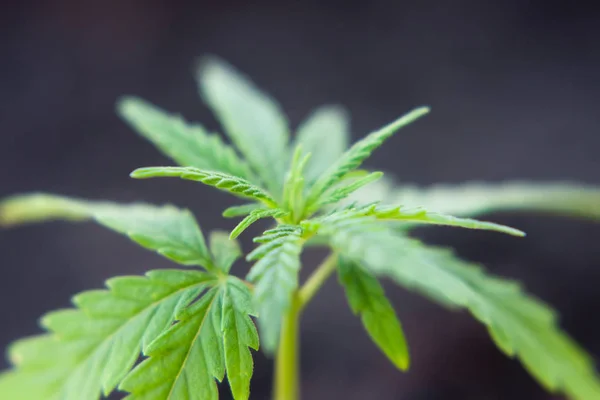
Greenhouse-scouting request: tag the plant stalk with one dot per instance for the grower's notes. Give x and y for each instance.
(287, 363)
(316, 280)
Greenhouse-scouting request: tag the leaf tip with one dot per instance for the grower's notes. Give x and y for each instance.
(513, 231)
(6, 215)
(125, 105)
(15, 210)
(38, 207)
(210, 66)
(422, 110)
(140, 173)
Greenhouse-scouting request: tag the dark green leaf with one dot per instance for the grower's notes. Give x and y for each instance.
(367, 299)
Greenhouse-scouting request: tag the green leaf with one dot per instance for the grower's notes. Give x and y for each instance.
(276, 277)
(342, 192)
(476, 198)
(242, 210)
(224, 250)
(367, 299)
(294, 183)
(255, 216)
(253, 120)
(227, 183)
(280, 231)
(520, 325)
(172, 232)
(90, 349)
(324, 135)
(421, 215)
(189, 145)
(358, 153)
(239, 334)
(212, 336)
(371, 213)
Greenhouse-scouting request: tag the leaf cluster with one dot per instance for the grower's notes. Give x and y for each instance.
(194, 327)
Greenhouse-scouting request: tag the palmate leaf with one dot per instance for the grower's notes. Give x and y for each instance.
(212, 337)
(358, 153)
(91, 348)
(367, 299)
(253, 120)
(275, 275)
(170, 231)
(227, 183)
(520, 325)
(324, 135)
(476, 198)
(189, 145)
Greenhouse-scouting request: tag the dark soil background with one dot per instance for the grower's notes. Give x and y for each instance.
(515, 92)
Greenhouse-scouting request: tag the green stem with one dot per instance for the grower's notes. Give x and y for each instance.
(316, 280)
(287, 360)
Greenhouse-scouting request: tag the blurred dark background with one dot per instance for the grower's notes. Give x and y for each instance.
(515, 91)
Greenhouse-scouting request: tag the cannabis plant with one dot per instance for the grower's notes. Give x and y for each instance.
(194, 325)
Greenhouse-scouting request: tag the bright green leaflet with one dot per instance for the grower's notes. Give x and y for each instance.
(421, 215)
(359, 152)
(242, 210)
(342, 192)
(294, 184)
(276, 277)
(325, 136)
(520, 325)
(227, 183)
(367, 299)
(401, 214)
(255, 216)
(93, 347)
(212, 337)
(189, 145)
(172, 232)
(253, 121)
